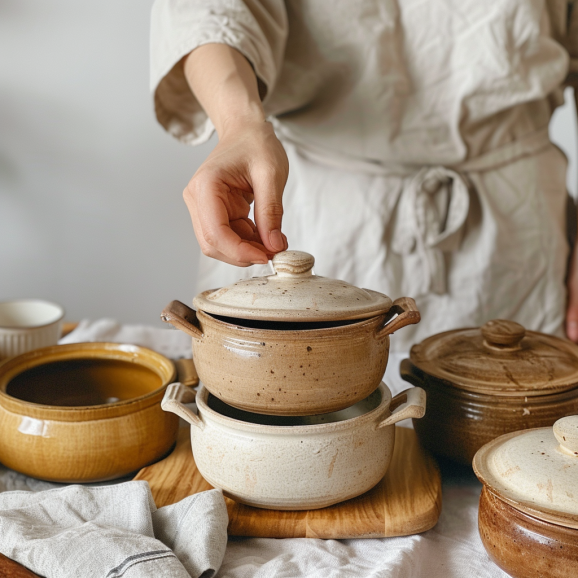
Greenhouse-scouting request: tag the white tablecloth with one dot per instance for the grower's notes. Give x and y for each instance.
(452, 549)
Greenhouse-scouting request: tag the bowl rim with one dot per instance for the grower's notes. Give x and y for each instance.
(13, 366)
(12, 328)
(372, 416)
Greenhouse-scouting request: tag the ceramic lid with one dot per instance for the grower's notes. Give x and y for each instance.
(500, 358)
(535, 471)
(293, 293)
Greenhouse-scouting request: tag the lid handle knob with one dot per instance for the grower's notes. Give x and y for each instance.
(503, 334)
(566, 432)
(293, 263)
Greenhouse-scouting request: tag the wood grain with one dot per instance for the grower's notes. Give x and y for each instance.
(11, 569)
(407, 500)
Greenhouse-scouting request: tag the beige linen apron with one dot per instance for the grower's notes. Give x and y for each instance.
(416, 132)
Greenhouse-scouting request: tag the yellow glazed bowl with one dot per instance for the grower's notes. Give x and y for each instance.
(84, 412)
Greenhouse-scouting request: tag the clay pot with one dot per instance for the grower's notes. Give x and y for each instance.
(524, 546)
(292, 343)
(294, 463)
(84, 412)
(482, 383)
(528, 514)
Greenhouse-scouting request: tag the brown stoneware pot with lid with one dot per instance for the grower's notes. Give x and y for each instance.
(485, 382)
(528, 515)
(291, 343)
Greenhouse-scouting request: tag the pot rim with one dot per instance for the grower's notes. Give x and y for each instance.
(374, 415)
(11, 367)
(295, 333)
(526, 398)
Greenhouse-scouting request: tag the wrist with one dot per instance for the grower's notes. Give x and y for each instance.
(243, 125)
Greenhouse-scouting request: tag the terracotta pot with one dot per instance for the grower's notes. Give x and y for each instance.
(84, 412)
(528, 515)
(524, 546)
(478, 389)
(292, 343)
(295, 463)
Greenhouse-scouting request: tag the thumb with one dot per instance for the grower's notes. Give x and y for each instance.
(268, 188)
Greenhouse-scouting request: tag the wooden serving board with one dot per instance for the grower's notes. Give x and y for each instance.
(407, 500)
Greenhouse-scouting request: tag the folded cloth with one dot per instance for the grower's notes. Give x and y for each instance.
(173, 344)
(113, 531)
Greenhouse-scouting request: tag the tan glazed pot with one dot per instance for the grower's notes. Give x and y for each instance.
(528, 514)
(294, 463)
(292, 343)
(485, 382)
(84, 412)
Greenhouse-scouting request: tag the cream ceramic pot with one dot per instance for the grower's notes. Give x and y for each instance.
(292, 343)
(294, 463)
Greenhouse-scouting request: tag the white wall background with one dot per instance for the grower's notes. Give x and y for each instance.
(91, 214)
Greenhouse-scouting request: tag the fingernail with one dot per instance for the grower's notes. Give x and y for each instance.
(286, 243)
(276, 240)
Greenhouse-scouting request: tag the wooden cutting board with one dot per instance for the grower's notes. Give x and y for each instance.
(407, 500)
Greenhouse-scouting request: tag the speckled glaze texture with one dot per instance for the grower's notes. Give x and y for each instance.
(290, 371)
(295, 467)
(293, 293)
(524, 546)
(459, 422)
(89, 443)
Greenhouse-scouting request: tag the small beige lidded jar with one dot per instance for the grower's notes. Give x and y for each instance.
(291, 343)
(528, 516)
(485, 382)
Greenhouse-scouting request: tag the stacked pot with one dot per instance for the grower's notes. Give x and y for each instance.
(292, 413)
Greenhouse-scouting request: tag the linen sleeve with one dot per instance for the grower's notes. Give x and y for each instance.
(256, 28)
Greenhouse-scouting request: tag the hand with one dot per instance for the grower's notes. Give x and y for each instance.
(572, 306)
(249, 164)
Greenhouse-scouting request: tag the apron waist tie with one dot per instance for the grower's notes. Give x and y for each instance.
(432, 210)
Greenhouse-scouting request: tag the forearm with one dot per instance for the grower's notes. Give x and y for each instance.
(225, 85)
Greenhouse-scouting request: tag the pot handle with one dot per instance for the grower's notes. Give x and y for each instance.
(408, 374)
(173, 402)
(413, 406)
(183, 318)
(186, 372)
(406, 312)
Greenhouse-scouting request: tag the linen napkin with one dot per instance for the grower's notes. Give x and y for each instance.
(112, 532)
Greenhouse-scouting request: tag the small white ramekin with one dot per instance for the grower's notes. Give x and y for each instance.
(27, 324)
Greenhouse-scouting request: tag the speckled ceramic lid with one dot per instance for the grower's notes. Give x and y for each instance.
(535, 471)
(293, 293)
(500, 358)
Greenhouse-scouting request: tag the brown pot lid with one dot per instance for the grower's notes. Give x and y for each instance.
(535, 471)
(500, 358)
(293, 293)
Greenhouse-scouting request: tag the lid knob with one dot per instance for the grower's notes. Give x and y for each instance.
(293, 263)
(566, 432)
(503, 334)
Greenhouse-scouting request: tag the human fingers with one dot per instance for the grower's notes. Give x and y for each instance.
(212, 226)
(268, 181)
